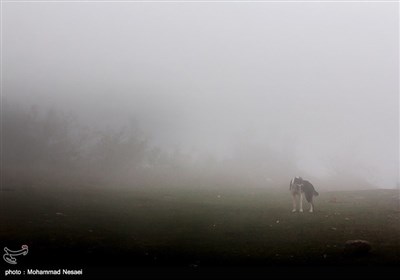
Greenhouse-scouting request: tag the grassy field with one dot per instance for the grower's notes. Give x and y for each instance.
(197, 228)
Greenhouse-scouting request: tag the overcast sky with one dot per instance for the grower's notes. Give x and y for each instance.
(319, 77)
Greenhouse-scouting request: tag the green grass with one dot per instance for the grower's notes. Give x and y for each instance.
(195, 227)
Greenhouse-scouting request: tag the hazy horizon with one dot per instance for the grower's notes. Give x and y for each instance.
(313, 84)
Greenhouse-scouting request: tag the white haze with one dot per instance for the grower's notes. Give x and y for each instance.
(317, 79)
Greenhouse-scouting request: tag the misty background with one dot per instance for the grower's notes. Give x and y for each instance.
(201, 94)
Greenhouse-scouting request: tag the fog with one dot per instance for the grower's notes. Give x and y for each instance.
(202, 94)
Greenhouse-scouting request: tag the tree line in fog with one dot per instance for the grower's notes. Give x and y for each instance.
(43, 145)
(40, 145)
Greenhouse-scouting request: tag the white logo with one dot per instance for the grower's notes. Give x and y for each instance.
(10, 254)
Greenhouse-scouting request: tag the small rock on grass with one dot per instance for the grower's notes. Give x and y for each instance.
(357, 247)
